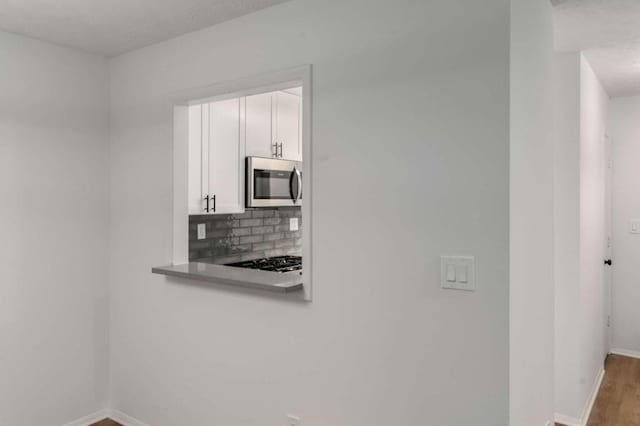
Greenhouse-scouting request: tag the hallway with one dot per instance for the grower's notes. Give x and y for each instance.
(618, 402)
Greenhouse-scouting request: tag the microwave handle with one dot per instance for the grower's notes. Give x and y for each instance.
(295, 173)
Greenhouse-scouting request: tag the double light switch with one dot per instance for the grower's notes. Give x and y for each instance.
(457, 272)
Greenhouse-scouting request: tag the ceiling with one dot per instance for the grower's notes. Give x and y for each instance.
(608, 32)
(111, 27)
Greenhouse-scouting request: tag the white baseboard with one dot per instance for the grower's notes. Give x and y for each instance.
(594, 395)
(567, 421)
(118, 416)
(572, 421)
(125, 419)
(90, 419)
(625, 352)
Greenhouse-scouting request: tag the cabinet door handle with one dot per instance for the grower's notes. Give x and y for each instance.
(280, 155)
(206, 209)
(214, 203)
(274, 151)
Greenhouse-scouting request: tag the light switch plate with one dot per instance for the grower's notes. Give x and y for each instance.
(293, 224)
(202, 231)
(634, 226)
(458, 272)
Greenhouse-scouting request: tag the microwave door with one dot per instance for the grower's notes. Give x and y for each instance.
(273, 183)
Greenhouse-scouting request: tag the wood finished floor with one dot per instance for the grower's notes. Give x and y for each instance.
(106, 422)
(618, 402)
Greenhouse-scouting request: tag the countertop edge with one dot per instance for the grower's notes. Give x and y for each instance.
(170, 270)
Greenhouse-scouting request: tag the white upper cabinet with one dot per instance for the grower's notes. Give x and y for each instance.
(226, 157)
(259, 126)
(288, 125)
(273, 125)
(216, 157)
(223, 133)
(196, 191)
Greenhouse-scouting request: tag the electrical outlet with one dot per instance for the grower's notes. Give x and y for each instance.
(202, 231)
(293, 420)
(293, 224)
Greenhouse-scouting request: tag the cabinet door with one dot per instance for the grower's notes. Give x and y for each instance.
(196, 192)
(259, 128)
(288, 125)
(226, 155)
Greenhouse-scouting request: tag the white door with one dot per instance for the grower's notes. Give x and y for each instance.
(196, 191)
(205, 159)
(259, 128)
(226, 154)
(608, 271)
(288, 126)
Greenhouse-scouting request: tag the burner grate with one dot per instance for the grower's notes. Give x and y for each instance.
(274, 264)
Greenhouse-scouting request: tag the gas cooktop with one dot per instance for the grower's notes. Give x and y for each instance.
(275, 264)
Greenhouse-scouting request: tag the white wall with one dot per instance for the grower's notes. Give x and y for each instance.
(581, 108)
(53, 238)
(531, 199)
(624, 128)
(593, 118)
(410, 160)
(567, 234)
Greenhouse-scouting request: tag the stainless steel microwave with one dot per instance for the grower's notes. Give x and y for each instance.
(273, 183)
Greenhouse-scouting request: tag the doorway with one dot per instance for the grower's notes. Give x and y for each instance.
(608, 243)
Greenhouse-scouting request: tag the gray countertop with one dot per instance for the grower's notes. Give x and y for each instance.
(242, 277)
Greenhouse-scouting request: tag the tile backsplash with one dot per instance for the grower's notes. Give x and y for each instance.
(256, 233)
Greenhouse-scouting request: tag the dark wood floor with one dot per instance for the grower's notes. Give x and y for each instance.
(618, 402)
(106, 422)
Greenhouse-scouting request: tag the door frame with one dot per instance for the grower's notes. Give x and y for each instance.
(609, 249)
